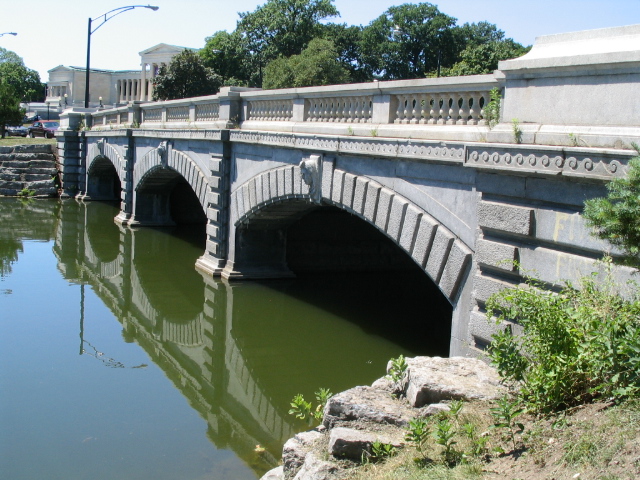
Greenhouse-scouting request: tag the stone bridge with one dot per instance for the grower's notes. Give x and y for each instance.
(383, 176)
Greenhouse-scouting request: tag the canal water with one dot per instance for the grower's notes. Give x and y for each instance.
(119, 360)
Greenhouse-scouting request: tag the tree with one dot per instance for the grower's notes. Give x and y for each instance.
(347, 41)
(186, 76)
(10, 111)
(228, 56)
(281, 28)
(484, 58)
(616, 218)
(9, 56)
(25, 81)
(408, 41)
(316, 65)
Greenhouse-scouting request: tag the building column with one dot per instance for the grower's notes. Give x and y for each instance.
(143, 91)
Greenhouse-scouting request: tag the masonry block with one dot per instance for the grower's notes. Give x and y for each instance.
(497, 255)
(259, 190)
(384, 207)
(281, 182)
(485, 286)
(424, 238)
(348, 190)
(455, 269)
(297, 181)
(371, 201)
(507, 218)
(360, 194)
(288, 181)
(440, 247)
(338, 181)
(396, 216)
(273, 183)
(409, 227)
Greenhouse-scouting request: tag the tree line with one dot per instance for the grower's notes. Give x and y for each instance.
(292, 43)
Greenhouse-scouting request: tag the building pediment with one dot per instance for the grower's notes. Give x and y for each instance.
(164, 49)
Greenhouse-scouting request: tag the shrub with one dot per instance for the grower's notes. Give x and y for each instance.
(576, 344)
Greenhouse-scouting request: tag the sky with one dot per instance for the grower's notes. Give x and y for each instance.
(54, 32)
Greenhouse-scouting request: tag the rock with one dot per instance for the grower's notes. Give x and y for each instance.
(367, 404)
(433, 379)
(435, 408)
(295, 450)
(316, 469)
(274, 474)
(351, 443)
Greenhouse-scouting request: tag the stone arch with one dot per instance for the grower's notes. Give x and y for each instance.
(102, 150)
(165, 157)
(434, 248)
(106, 172)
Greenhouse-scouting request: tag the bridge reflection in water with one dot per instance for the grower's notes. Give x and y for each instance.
(237, 352)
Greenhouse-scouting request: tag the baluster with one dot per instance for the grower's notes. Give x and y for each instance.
(366, 112)
(443, 108)
(424, 108)
(415, 108)
(433, 108)
(400, 109)
(484, 100)
(351, 109)
(453, 109)
(473, 111)
(464, 109)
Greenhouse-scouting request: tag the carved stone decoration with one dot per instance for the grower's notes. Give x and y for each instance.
(311, 169)
(162, 152)
(100, 145)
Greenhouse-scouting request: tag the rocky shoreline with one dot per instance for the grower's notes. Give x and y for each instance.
(356, 418)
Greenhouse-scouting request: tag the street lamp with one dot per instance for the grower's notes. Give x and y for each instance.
(104, 18)
(8, 33)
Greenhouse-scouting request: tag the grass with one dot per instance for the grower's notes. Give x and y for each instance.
(13, 141)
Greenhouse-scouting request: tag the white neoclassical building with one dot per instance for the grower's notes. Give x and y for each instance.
(66, 85)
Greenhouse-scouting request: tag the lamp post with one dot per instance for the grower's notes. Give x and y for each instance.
(104, 18)
(8, 33)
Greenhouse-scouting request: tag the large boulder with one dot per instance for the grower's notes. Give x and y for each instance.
(434, 379)
(296, 449)
(367, 404)
(314, 468)
(352, 444)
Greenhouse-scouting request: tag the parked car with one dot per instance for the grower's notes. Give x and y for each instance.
(31, 119)
(43, 128)
(16, 130)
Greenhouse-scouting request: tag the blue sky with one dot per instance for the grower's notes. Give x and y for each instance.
(54, 32)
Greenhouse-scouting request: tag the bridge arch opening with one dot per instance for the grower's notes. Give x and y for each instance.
(348, 266)
(103, 182)
(165, 198)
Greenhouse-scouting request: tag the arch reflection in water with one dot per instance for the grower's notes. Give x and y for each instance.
(237, 352)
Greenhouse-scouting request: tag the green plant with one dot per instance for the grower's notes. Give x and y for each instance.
(350, 130)
(504, 415)
(444, 434)
(574, 140)
(492, 108)
(304, 410)
(616, 217)
(379, 451)
(25, 192)
(417, 433)
(397, 369)
(374, 132)
(478, 443)
(517, 131)
(577, 344)
(135, 124)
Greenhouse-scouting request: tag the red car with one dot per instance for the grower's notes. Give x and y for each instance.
(43, 128)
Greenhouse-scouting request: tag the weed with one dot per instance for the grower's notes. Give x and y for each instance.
(350, 131)
(304, 410)
(418, 433)
(504, 416)
(517, 131)
(398, 369)
(374, 132)
(379, 452)
(492, 109)
(444, 435)
(25, 192)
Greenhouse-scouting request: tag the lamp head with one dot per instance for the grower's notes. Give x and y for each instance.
(152, 7)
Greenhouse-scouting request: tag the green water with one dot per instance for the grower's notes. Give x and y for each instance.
(118, 360)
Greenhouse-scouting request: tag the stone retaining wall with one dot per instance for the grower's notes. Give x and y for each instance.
(28, 167)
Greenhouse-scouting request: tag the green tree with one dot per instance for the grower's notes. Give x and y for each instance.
(281, 28)
(408, 41)
(484, 58)
(316, 65)
(228, 56)
(10, 111)
(9, 56)
(616, 218)
(347, 41)
(186, 76)
(25, 81)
